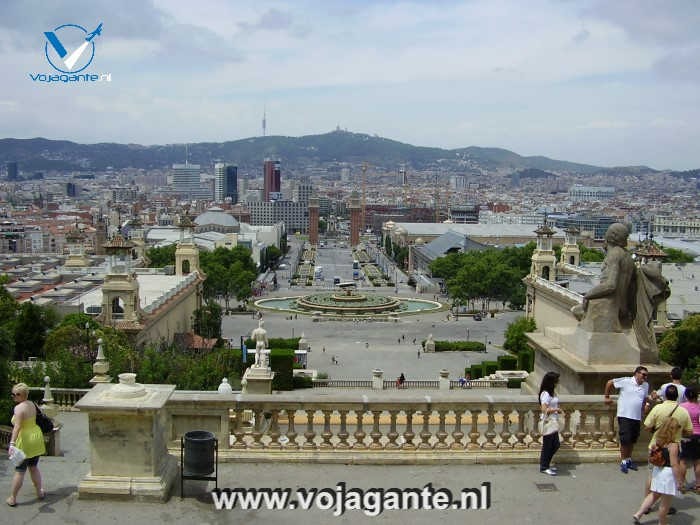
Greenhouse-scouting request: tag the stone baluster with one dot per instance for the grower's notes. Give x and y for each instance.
(598, 436)
(520, 434)
(565, 428)
(425, 431)
(611, 434)
(326, 434)
(393, 434)
(238, 431)
(457, 434)
(534, 430)
(582, 437)
(343, 433)
(310, 434)
(375, 434)
(490, 433)
(291, 430)
(408, 433)
(257, 429)
(441, 433)
(359, 432)
(275, 431)
(474, 434)
(505, 443)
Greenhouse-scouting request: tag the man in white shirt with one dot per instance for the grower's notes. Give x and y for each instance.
(633, 399)
(676, 374)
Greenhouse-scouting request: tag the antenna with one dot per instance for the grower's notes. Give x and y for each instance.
(186, 154)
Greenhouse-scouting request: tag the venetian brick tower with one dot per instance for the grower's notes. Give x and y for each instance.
(355, 219)
(313, 220)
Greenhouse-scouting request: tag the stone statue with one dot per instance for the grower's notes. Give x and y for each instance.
(610, 305)
(430, 344)
(626, 297)
(259, 335)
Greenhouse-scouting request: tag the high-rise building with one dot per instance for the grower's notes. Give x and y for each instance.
(294, 215)
(226, 182)
(187, 182)
(12, 170)
(313, 220)
(355, 224)
(272, 184)
(71, 189)
(304, 190)
(402, 177)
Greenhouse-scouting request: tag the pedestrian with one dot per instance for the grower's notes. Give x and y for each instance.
(402, 380)
(549, 422)
(690, 448)
(367, 345)
(27, 437)
(633, 400)
(399, 340)
(676, 374)
(418, 353)
(403, 337)
(665, 478)
(414, 340)
(656, 419)
(324, 349)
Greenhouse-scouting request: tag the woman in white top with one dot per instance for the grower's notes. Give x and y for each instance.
(549, 417)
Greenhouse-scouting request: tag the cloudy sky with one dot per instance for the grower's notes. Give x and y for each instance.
(602, 82)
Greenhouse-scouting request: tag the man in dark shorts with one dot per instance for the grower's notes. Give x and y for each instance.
(633, 399)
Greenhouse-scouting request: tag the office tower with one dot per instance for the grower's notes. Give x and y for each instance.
(12, 171)
(226, 182)
(187, 182)
(402, 178)
(71, 189)
(313, 221)
(272, 185)
(304, 190)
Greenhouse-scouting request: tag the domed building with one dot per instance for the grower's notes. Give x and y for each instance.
(216, 219)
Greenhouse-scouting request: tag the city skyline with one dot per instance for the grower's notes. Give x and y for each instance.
(588, 82)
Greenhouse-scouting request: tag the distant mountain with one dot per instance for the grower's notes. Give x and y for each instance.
(295, 152)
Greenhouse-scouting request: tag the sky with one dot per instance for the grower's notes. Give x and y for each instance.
(599, 82)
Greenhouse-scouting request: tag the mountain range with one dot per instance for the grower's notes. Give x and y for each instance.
(40, 154)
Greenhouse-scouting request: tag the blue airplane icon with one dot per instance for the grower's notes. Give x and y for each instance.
(96, 32)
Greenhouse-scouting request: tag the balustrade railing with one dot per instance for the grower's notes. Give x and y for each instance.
(338, 428)
(64, 398)
(342, 383)
(479, 383)
(413, 383)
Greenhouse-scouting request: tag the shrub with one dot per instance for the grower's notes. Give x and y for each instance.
(515, 339)
(302, 382)
(322, 375)
(459, 346)
(514, 382)
(477, 371)
(526, 360)
(490, 367)
(277, 342)
(507, 362)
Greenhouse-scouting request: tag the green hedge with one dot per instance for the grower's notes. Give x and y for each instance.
(276, 342)
(282, 363)
(477, 371)
(459, 346)
(526, 360)
(302, 382)
(514, 382)
(490, 367)
(507, 362)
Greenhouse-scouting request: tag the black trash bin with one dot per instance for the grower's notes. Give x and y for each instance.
(199, 451)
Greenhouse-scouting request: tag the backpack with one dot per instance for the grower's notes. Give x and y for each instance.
(656, 456)
(44, 423)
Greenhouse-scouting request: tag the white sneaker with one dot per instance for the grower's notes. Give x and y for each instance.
(549, 472)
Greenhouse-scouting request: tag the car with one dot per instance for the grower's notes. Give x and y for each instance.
(477, 317)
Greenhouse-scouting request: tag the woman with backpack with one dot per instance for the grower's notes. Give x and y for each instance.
(27, 437)
(665, 473)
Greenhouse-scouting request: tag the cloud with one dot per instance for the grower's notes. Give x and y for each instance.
(581, 36)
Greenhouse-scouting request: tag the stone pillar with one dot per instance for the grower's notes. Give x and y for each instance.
(430, 344)
(377, 379)
(101, 367)
(127, 425)
(50, 410)
(444, 379)
(570, 253)
(355, 219)
(313, 220)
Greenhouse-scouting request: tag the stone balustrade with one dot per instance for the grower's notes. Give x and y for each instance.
(378, 429)
(63, 398)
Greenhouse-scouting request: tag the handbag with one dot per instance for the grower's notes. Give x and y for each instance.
(548, 425)
(44, 423)
(16, 456)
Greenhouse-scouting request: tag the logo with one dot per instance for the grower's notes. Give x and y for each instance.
(70, 49)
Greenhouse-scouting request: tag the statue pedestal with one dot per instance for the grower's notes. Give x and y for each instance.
(258, 380)
(128, 445)
(585, 361)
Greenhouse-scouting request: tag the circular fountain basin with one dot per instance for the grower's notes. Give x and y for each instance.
(334, 304)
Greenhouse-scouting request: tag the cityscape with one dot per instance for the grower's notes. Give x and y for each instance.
(373, 311)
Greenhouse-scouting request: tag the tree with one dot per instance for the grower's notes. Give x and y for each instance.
(680, 346)
(273, 254)
(322, 226)
(30, 327)
(515, 339)
(160, 257)
(590, 254)
(677, 256)
(207, 320)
